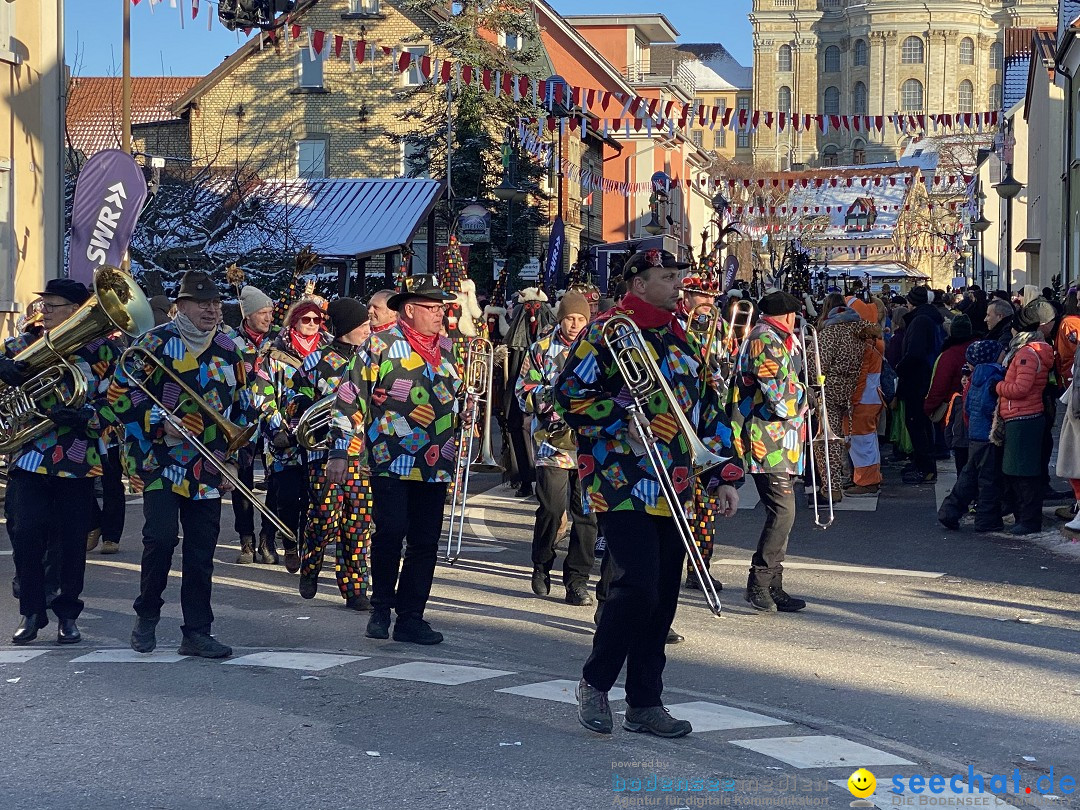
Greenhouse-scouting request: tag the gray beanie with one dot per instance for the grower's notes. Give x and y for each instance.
(252, 300)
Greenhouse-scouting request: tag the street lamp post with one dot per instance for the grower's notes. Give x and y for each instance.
(1007, 188)
(508, 190)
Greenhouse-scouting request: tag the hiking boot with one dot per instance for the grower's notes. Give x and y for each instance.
(655, 720)
(92, 539)
(917, 477)
(415, 631)
(203, 645)
(292, 560)
(541, 581)
(309, 585)
(785, 603)
(247, 550)
(1067, 512)
(692, 583)
(855, 490)
(267, 551)
(143, 635)
(593, 710)
(110, 547)
(359, 603)
(674, 637)
(760, 599)
(578, 595)
(952, 524)
(378, 625)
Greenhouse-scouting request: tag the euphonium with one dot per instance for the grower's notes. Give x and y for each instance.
(117, 303)
(312, 431)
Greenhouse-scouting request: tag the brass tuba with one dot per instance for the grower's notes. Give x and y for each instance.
(117, 303)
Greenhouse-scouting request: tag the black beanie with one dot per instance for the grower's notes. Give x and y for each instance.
(346, 314)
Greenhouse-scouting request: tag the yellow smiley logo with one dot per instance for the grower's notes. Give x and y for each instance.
(861, 783)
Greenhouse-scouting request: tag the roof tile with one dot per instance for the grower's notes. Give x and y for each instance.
(94, 114)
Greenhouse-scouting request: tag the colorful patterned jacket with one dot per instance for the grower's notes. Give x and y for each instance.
(769, 402)
(591, 397)
(319, 377)
(535, 390)
(64, 451)
(720, 359)
(407, 408)
(275, 391)
(155, 461)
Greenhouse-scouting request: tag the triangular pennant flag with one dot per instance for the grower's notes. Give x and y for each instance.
(338, 42)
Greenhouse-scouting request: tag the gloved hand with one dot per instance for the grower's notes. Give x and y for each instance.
(12, 372)
(75, 418)
(282, 440)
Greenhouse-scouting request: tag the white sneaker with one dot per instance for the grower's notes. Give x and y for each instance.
(1074, 524)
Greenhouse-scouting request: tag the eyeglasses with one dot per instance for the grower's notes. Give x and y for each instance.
(432, 307)
(216, 304)
(54, 307)
(310, 319)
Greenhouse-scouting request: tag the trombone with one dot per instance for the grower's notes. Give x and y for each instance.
(809, 333)
(235, 435)
(479, 372)
(644, 380)
(738, 326)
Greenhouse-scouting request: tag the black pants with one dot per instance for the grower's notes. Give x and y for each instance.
(109, 516)
(1050, 412)
(243, 511)
(552, 486)
(288, 491)
(1025, 493)
(643, 568)
(51, 513)
(960, 458)
(520, 441)
(774, 489)
(411, 511)
(164, 513)
(921, 431)
(978, 482)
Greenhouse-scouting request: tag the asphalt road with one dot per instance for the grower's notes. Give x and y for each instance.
(922, 652)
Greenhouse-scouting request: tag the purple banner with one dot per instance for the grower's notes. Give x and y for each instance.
(556, 244)
(731, 267)
(109, 197)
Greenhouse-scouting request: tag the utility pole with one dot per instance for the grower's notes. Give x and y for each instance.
(125, 141)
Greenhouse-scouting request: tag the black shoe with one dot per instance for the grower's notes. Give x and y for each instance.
(524, 491)
(1021, 529)
(292, 561)
(541, 581)
(578, 595)
(760, 598)
(692, 583)
(1053, 496)
(949, 523)
(673, 637)
(655, 720)
(203, 645)
(309, 585)
(415, 631)
(378, 625)
(917, 477)
(143, 636)
(360, 603)
(785, 603)
(28, 628)
(593, 712)
(67, 632)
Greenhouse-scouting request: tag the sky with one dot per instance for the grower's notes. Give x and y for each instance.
(160, 47)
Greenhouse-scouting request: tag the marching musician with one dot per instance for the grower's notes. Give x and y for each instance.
(338, 513)
(644, 549)
(255, 333)
(51, 478)
(556, 459)
(179, 488)
(301, 336)
(398, 403)
(769, 417)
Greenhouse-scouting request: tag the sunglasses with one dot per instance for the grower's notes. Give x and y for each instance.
(310, 319)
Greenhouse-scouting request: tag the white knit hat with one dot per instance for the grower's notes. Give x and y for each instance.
(252, 300)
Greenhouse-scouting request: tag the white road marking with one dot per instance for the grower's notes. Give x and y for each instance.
(885, 799)
(6, 553)
(128, 657)
(311, 662)
(749, 499)
(706, 716)
(846, 569)
(444, 674)
(19, 656)
(560, 691)
(824, 751)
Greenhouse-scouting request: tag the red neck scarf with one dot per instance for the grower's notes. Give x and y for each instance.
(427, 346)
(384, 327)
(256, 338)
(647, 316)
(781, 327)
(303, 345)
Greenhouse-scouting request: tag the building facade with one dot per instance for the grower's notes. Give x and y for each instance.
(876, 57)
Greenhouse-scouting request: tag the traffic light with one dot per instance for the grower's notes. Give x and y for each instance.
(252, 13)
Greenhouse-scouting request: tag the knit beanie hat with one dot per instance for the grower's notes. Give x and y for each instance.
(346, 314)
(920, 295)
(982, 351)
(573, 303)
(960, 329)
(252, 299)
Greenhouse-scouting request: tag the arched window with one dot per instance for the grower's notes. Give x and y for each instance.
(995, 97)
(911, 52)
(996, 55)
(832, 59)
(967, 51)
(862, 53)
(783, 100)
(911, 96)
(832, 101)
(965, 97)
(859, 99)
(830, 157)
(858, 152)
(783, 59)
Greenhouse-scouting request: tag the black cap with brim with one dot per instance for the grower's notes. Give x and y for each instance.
(67, 288)
(653, 257)
(423, 287)
(197, 286)
(779, 303)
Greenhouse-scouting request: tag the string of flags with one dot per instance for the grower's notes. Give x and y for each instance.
(613, 110)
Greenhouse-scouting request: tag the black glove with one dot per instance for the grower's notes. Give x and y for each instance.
(76, 418)
(282, 440)
(12, 372)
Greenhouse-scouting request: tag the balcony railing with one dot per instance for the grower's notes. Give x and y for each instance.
(678, 75)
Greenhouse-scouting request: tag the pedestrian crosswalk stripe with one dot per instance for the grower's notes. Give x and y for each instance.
(559, 690)
(121, 656)
(824, 751)
(704, 716)
(19, 656)
(291, 660)
(443, 674)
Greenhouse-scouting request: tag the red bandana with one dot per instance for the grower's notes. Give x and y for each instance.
(256, 338)
(384, 327)
(427, 346)
(647, 316)
(303, 345)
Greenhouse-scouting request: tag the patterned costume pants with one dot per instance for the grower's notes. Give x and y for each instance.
(339, 514)
(703, 523)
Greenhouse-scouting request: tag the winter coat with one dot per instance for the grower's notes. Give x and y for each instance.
(980, 402)
(924, 334)
(1068, 335)
(1002, 333)
(1068, 454)
(945, 381)
(1020, 394)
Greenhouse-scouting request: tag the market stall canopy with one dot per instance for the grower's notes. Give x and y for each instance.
(883, 271)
